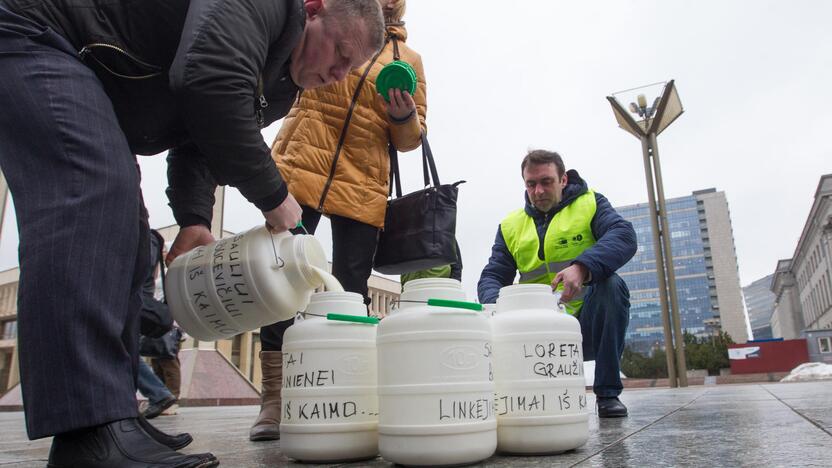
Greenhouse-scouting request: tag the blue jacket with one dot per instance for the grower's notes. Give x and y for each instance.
(615, 242)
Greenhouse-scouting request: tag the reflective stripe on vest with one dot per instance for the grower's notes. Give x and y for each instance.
(555, 267)
(568, 235)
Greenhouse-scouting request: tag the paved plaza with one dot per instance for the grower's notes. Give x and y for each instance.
(788, 424)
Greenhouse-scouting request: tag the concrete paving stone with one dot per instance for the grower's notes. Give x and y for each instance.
(823, 418)
(798, 390)
(722, 425)
(818, 404)
(739, 392)
(15, 447)
(811, 399)
(749, 434)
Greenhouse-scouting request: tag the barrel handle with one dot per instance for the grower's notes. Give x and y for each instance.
(278, 262)
(447, 303)
(353, 318)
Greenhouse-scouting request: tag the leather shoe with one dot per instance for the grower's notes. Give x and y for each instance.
(155, 409)
(611, 407)
(119, 444)
(175, 442)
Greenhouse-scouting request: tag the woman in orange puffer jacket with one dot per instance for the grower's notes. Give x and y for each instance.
(344, 180)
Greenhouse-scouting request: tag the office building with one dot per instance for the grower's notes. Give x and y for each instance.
(705, 264)
(759, 302)
(803, 284)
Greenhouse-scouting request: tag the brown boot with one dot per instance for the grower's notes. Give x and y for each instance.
(267, 425)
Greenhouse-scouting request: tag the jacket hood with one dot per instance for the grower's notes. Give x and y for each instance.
(575, 187)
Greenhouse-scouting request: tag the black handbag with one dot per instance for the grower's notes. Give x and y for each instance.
(164, 347)
(156, 319)
(420, 227)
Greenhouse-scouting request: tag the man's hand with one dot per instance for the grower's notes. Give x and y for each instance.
(572, 278)
(188, 238)
(401, 104)
(286, 216)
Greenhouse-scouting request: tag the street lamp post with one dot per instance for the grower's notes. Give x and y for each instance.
(655, 119)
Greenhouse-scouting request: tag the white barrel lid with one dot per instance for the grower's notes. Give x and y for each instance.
(417, 292)
(336, 302)
(526, 296)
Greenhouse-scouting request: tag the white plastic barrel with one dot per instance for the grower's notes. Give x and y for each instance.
(243, 282)
(329, 400)
(436, 391)
(541, 401)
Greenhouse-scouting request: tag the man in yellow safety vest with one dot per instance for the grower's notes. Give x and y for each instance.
(569, 236)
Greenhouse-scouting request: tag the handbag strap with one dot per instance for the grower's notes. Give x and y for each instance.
(393, 38)
(429, 171)
(160, 260)
(344, 129)
(395, 177)
(162, 272)
(427, 160)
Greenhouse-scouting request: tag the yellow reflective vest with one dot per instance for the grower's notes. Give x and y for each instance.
(568, 235)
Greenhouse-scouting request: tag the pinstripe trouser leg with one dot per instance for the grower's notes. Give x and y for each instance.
(75, 187)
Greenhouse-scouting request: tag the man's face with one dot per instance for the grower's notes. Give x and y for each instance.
(328, 50)
(543, 185)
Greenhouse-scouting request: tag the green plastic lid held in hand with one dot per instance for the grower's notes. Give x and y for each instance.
(396, 75)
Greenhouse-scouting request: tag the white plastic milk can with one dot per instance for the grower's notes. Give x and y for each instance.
(329, 401)
(436, 390)
(541, 401)
(243, 282)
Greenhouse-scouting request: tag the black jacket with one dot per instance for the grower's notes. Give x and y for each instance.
(615, 245)
(198, 77)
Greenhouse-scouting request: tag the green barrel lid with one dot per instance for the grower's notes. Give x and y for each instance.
(396, 75)
(352, 318)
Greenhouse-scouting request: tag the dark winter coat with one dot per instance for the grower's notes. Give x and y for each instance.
(615, 242)
(198, 77)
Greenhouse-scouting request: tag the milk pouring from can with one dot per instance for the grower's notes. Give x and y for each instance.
(243, 282)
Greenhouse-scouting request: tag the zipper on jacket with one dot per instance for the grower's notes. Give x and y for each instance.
(262, 103)
(541, 253)
(87, 51)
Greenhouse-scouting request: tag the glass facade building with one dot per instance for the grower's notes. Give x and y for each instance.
(692, 262)
(759, 301)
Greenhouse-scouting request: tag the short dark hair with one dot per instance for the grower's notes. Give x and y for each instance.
(543, 157)
(367, 11)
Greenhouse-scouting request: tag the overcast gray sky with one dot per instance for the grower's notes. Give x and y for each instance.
(754, 78)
